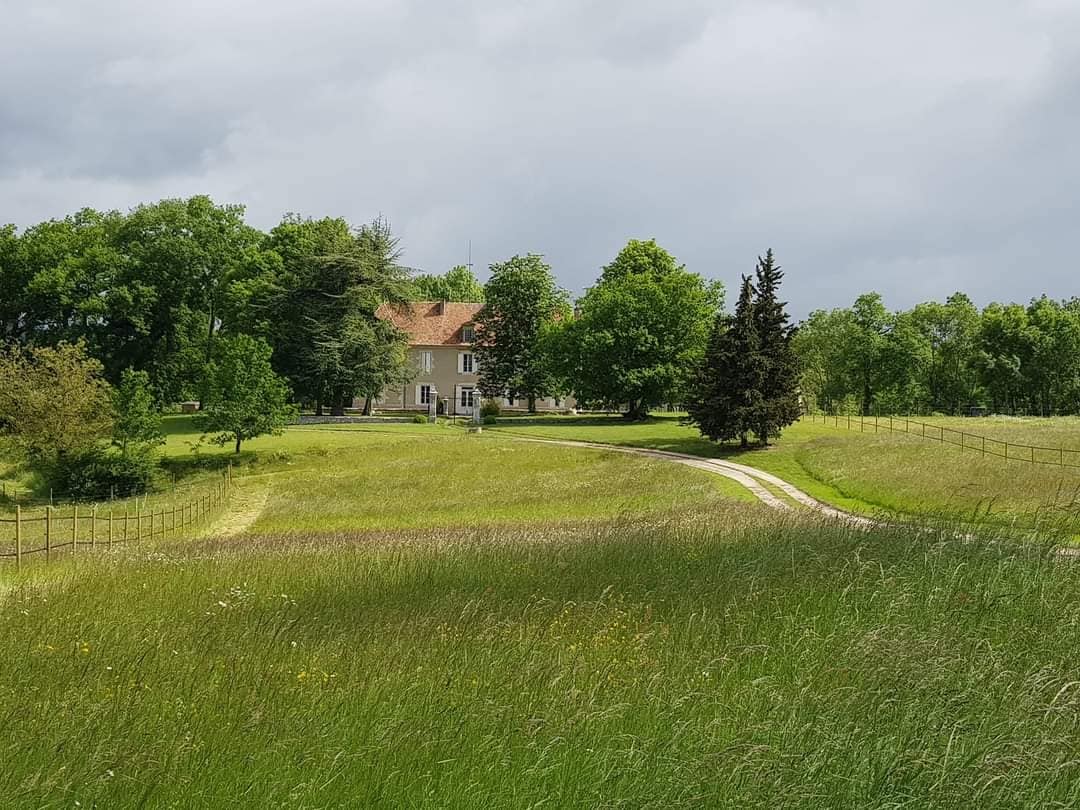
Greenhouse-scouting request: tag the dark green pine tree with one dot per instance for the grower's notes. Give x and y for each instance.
(727, 392)
(779, 404)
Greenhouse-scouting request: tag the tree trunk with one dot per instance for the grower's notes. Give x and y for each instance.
(532, 403)
(744, 440)
(238, 443)
(337, 405)
(367, 405)
(318, 407)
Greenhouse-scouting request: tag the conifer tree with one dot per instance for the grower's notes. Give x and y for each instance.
(779, 404)
(727, 394)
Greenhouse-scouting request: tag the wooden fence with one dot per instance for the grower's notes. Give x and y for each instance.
(984, 445)
(101, 525)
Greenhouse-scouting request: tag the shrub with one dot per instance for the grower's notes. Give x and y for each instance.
(490, 408)
(96, 474)
(490, 419)
(420, 419)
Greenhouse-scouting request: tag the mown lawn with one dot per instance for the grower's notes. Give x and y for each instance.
(883, 472)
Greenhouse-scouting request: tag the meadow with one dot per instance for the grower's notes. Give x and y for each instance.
(403, 615)
(883, 473)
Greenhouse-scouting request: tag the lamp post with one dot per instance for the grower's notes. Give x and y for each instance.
(433, 405)
(476, 406)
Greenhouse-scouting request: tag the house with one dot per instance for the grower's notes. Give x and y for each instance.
(446, 369)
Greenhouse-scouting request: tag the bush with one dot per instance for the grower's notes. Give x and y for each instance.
(97, 474)
(490, 408)
(420, 419)
(490, 419)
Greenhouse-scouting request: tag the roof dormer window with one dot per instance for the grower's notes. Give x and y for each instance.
(468, 333)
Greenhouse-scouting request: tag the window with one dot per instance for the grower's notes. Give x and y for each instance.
(468, 334)
(468, 366)
(466, 397)
(425, 394)
(425, 362)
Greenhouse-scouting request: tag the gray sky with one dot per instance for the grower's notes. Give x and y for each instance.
(912, 147)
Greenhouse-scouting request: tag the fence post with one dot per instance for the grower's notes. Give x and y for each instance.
(984, 445)
(1006, 451)
(75, 529)
(93, 527)
(48, 533)
(110, 526)
(18, 537)
(138, 522)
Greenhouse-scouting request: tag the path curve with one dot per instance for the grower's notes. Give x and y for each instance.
(750, 477)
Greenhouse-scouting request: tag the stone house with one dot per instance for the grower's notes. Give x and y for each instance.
(446, 369)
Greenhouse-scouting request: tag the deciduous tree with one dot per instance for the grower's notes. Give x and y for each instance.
(247, 398)
(522, 299)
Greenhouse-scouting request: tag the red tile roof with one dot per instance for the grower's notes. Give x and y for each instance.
(431, 323)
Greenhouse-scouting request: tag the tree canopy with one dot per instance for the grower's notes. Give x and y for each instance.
(457, 284)
(640, 332)
(522, 301)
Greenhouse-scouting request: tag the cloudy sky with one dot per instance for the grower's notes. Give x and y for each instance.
(914, 147)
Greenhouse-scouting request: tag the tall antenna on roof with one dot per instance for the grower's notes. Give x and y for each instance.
(470, 256)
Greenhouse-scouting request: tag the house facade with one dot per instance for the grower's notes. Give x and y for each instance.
(446, 370)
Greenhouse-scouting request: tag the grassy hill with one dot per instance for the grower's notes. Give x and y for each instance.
(410, 616)
(873, 473)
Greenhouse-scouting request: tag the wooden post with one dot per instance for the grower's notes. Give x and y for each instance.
(18, 537)
(48, 533)
(984, 446)
(138, 521)
(110, 527)
(75, 529)
(1006, 451)
(93, 527)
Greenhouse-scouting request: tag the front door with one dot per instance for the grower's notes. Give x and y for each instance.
(466, 399)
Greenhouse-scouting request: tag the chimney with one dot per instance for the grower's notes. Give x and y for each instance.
(441, 308)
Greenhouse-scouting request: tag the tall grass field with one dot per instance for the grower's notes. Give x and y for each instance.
(425, 618)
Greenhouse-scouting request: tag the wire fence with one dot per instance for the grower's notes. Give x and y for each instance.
(984, 445)
(53, 531)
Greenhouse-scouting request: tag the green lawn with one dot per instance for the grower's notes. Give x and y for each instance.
(872, 473)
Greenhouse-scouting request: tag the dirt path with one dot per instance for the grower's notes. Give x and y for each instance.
(750, 477)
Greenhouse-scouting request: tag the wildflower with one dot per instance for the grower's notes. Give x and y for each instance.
(302, 676)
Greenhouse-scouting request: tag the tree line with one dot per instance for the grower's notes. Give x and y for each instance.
(943, 357)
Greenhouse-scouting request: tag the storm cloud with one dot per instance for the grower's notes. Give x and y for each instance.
(914, 148)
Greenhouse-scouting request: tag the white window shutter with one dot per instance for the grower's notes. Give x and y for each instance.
(417, 400)
(475, 364)
(461, 362)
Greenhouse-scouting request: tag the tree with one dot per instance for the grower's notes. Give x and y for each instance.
(327, 338)
(457, 284)
(779, 405)
(522, 299)
(53, 401)
(247, 398)
(727, 394)
(138, 421)
(640, 333)
(824, 343)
